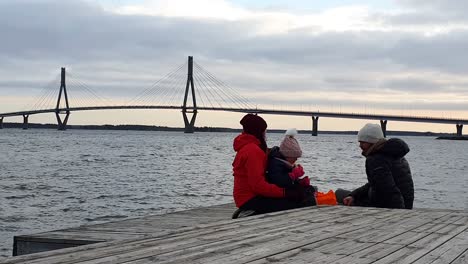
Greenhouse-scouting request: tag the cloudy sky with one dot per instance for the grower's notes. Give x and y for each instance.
(390, 56)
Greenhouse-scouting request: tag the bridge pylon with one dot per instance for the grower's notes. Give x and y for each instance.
(1, 122)
(63, 90)
(189, 125)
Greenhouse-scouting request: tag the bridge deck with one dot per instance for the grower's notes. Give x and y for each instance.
(314, 235)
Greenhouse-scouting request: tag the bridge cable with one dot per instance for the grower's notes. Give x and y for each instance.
(78, 94)
(169, 90)
(217, 96)
(50, 99)
(75, 101)
(164, 87)
(226, 98)
(240, 102)
(99, 98)
(45, 92)
(86, 88)
(155, 94)
(44, 102)
(148, 90)
(181, 91)
(238, 99)
(202, 93)
(177, 87)
(208, 91)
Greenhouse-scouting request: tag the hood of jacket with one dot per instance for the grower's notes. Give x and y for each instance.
(275, 153)
(394, 147)
(244, 139)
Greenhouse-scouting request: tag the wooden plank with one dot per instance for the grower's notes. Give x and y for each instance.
(284, 245)
(242, 251)
(285, 226)
(462, 259)
(67, 238)
(253, 221)
(421, 247)
(333, 234)
(448, 251)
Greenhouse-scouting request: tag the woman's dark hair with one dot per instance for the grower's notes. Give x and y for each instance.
(256, 126)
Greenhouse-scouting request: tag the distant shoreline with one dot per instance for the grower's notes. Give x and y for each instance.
(208, 129)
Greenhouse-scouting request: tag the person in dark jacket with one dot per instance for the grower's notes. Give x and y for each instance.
(390, 184)
(282, 169)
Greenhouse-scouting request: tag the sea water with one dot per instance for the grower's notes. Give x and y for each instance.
(58, 179)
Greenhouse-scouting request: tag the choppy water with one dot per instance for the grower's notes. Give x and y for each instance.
(57, 179)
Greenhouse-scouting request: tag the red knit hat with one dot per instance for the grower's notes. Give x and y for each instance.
(253, 124)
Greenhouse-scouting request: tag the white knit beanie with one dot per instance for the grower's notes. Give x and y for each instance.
(370, 133)
(289, 147)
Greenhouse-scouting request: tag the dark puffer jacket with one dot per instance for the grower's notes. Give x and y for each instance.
(278, 169)
(390, 184)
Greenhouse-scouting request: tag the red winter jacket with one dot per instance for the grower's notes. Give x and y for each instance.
(249, 171)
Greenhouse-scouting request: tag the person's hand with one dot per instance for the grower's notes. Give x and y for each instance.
(297, 172)
(348, 200)
(304, 181)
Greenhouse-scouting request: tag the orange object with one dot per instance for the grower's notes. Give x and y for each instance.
(328, 198)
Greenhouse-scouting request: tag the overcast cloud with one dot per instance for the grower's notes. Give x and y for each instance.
(412, 55)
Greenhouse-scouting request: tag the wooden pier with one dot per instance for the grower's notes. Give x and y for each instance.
(332, 234)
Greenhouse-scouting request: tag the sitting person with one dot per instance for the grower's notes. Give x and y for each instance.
(283, 171)
(252, 193)
(390, 184)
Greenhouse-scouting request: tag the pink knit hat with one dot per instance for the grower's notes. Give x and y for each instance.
(289, 146)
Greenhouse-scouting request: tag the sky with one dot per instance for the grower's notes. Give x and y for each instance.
(404, 57)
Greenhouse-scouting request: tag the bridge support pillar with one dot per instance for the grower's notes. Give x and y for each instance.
(459, 130)
(25, 121)
(383, 125)
(189, 126)
(62, 125)
(189, 91)
(1, 122)
(315, 125)
(63, 90)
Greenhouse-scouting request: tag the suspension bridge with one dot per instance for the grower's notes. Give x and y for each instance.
(210, 94)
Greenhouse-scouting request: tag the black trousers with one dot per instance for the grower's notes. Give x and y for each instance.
(263, 205)
(341, 194)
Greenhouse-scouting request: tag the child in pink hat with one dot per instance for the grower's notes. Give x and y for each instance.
(282, 169)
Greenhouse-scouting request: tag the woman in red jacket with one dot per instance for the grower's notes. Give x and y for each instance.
(252, 193)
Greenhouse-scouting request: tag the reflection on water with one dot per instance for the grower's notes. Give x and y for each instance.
(57, 179)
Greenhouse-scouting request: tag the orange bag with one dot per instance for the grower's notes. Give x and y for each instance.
(328, 198)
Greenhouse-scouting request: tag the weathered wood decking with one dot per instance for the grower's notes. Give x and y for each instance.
(333, 234)
(152, 225)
